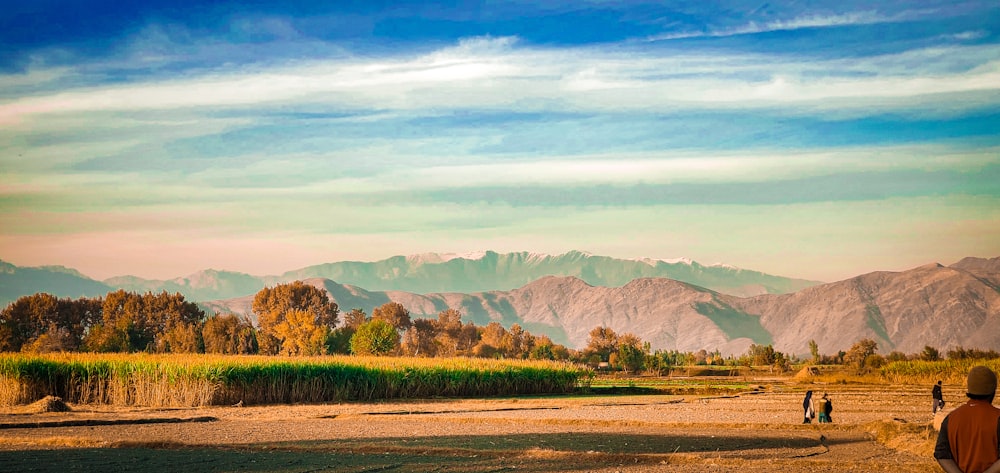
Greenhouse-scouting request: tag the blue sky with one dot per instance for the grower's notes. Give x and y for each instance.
(820, 140)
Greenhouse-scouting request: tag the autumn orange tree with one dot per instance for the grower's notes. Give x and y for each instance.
(394, 314)
(276, 334)
(229, 334)
(43, 323)
(132, 322)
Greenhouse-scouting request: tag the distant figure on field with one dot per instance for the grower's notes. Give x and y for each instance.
(824, 407)
(969, 440)
(938, 397)
(807, 406)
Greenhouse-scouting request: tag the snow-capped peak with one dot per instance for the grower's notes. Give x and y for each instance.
(724, 265)
(655, 261)
(436, 258)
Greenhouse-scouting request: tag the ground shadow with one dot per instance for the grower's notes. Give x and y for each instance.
(551, 452)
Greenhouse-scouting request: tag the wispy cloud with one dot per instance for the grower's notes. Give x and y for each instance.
(808, 21)
(486, 73)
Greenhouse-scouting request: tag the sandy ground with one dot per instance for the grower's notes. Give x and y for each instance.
(747, 433)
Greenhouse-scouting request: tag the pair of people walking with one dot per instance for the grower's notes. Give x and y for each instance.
(823, 407)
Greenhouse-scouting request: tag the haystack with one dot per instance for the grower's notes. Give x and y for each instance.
(49, 404)
(807, 373)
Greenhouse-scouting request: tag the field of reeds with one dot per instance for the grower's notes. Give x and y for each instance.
(929, 372)
(201, 380)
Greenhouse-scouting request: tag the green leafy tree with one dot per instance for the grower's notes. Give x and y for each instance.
(543, 349)
(930, 354)
(375, 338)
(630, 358)
(631, 353)
(895, 356)
(814, 351)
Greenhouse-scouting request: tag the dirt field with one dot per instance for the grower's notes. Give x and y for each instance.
(747, 433)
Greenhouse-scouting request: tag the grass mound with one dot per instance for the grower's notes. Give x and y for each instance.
(900, 435)
(49, 404)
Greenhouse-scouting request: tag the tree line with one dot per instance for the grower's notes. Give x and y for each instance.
(292, 319)
(298, 319)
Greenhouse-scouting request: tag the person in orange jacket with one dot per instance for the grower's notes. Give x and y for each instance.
(969, 440)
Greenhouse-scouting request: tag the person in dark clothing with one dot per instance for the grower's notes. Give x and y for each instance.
(969, 439)
(828, 409)
(807, 406)
(938, 398)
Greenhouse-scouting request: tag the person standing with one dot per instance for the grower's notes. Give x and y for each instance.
(969, 440)
(807, 406)
(824, 408)
(938, 397)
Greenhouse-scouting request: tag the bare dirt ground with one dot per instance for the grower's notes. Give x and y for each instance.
(590, 433)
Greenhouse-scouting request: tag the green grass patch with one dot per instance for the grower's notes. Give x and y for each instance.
(197, 380)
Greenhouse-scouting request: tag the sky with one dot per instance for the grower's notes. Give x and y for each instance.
(817, 140)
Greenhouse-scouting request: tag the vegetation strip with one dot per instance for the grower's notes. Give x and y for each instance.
(198, 380)
(96, 422)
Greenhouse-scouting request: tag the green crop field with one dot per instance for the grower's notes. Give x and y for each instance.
(199, 380)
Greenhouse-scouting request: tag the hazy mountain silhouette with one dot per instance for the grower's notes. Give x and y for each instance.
(943, 307)
(433, 272)
(56, 280)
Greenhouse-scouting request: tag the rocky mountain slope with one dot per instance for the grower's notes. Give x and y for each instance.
(931, 305)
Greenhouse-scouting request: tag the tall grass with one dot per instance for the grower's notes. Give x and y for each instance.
(929, 372)
(199, 380)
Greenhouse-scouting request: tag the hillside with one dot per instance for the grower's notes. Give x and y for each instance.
(56, 280)
(931, 305)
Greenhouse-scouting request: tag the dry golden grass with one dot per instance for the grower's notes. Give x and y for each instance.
(914, 438)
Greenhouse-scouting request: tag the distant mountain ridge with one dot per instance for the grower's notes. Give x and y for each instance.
(940, 306)
(56, 280)
(495, 271)
(424, 273)
(934, 305)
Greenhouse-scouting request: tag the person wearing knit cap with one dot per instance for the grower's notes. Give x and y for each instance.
(969, 440)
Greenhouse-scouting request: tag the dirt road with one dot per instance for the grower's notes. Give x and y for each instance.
(747, 433)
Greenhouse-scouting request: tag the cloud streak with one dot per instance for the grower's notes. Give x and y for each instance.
(485, 73)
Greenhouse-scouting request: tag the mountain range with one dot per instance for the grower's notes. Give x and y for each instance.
(935, 305)
(426, 273)
(940, 306)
